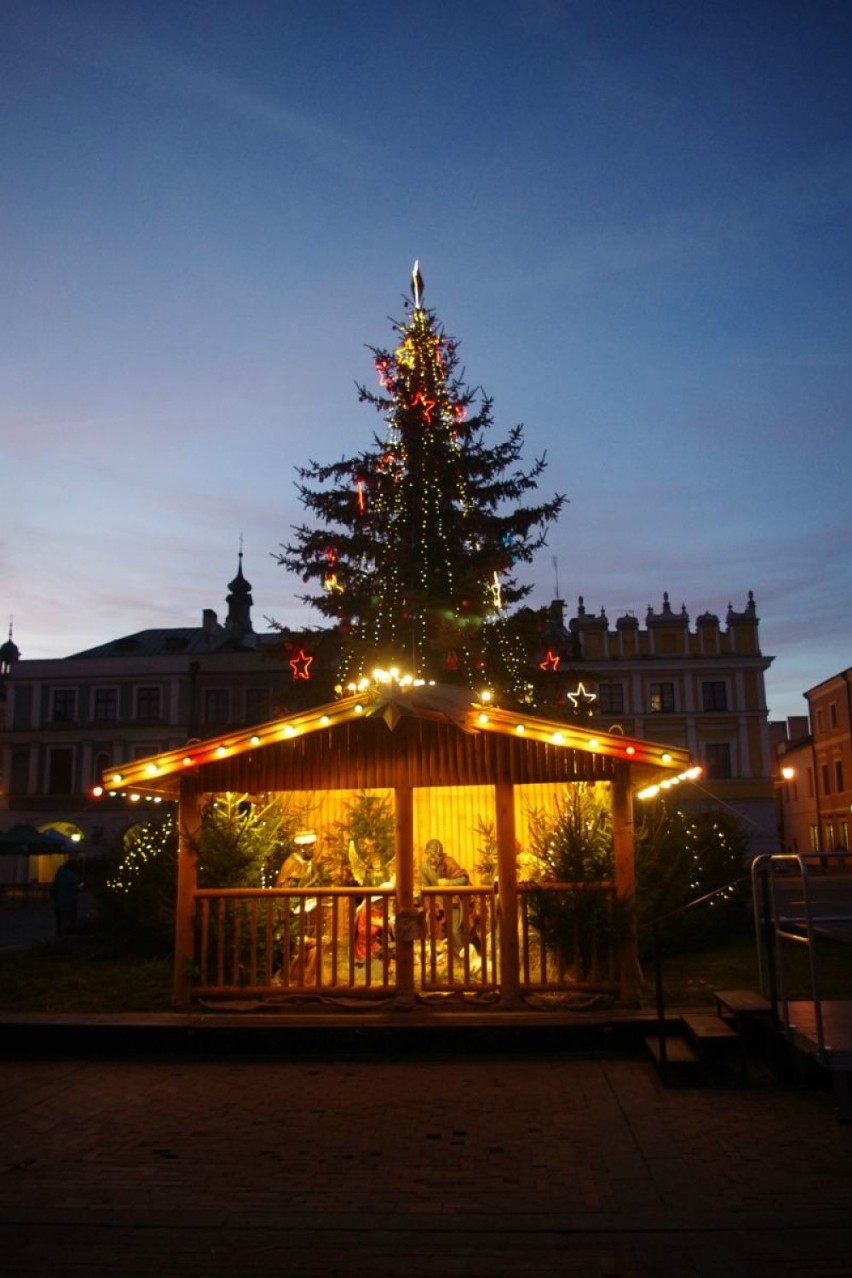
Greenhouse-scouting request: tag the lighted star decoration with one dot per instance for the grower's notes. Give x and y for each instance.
(551, 662)
(427, 405)
(405, 353)
(301, 665)
(496, 593)
(580, 699)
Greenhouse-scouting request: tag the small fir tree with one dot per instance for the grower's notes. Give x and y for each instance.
(573, 846)
(680, 856)
(415, 540)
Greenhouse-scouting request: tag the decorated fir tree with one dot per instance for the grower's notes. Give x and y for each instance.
(413, 542)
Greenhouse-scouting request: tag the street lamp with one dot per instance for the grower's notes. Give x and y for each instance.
(787, 774)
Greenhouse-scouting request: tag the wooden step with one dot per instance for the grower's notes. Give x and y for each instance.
(708, 1030)
(678, 1051)
(681, 1067)
(742, 1003)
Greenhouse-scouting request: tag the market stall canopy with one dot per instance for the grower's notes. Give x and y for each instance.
(27, 841)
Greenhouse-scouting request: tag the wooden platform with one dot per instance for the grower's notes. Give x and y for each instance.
(742, 1003)
(837, 1027)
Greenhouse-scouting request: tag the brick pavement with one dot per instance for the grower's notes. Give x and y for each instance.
(345, 1163)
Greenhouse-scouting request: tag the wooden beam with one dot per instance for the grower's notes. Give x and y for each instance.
(405, 912)
(189, 832)
(507, 893)
(624, 851)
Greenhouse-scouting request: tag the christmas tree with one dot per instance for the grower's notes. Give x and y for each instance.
(416, 538)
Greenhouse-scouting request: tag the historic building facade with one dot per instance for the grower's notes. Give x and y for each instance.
(816, 799)
(68, 719)
(702, 688)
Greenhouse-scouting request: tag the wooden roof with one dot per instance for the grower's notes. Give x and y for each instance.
(394, 733)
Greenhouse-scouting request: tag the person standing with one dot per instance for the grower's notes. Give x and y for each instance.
(64, 892)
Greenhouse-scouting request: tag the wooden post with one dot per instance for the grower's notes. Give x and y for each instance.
(624, 849)
(507, 894)
(406, 915)
(189, 830)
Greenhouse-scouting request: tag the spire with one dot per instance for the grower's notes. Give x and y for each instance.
(9, 653)
(238, 621)
(417, 284)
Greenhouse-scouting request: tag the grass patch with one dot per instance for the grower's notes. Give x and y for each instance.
(690, 977)
(112, 974)
(84, 974)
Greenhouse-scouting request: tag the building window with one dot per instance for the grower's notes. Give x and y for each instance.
(148, 702)
(216, 705)
(100, 764)
(829, 837)
(662, 698)
(826, 779)
(19, 771)
(819, 719)
(838, 775)
(105, 708)
(714, 694)
(717, 760)
(810, 783)
(832, 714)
(610, 698)
(257, 705)
(814, 837)
(64, 708)
(844, 835)
(60, 770)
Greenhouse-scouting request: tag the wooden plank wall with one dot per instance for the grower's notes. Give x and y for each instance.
(449, 813)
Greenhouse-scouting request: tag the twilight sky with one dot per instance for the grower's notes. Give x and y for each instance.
(634, 215)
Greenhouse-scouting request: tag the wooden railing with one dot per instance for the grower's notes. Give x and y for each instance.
(460, 942)
(334, 941)
(271, 940)
(583, 956)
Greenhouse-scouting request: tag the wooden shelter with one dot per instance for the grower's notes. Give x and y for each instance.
(405, 738)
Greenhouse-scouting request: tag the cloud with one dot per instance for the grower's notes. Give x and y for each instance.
(803, 195)
(136, 59)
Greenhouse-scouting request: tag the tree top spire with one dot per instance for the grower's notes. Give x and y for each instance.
(417, 283)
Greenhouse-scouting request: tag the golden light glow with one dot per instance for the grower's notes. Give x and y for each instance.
(788, 773)
(650, 792)
(480, 709)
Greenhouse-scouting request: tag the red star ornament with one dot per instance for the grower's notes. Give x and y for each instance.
(301, 665)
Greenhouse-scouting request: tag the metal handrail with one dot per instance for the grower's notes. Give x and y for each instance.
(658, 955)
(774, 980)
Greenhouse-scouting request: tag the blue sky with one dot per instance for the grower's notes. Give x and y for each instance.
(634, 216)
